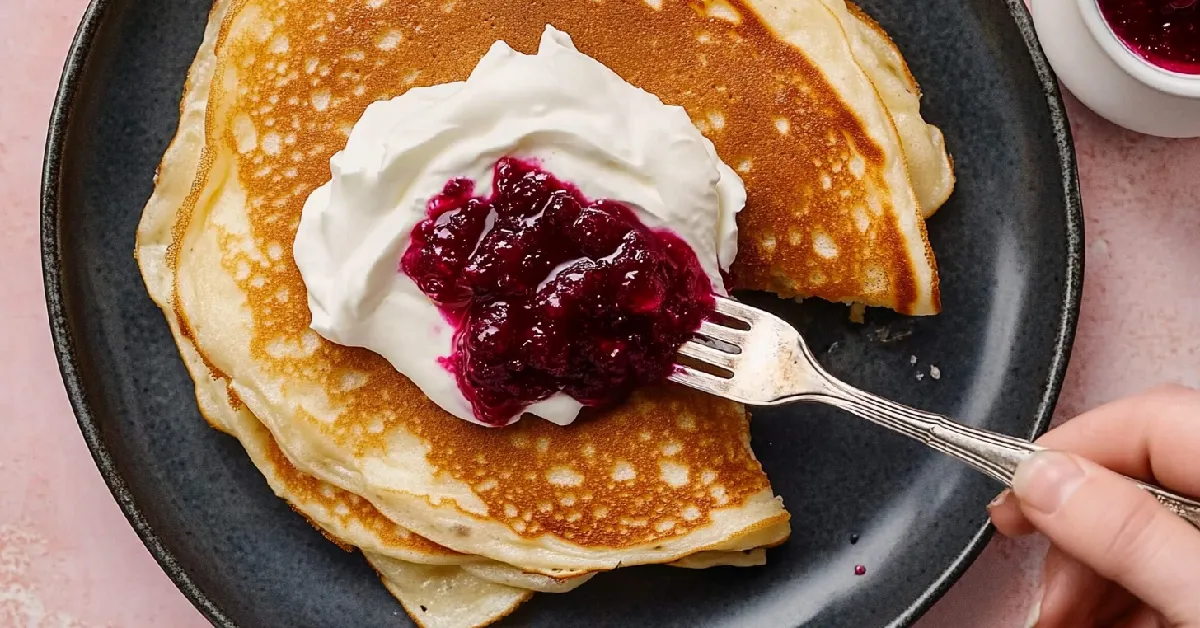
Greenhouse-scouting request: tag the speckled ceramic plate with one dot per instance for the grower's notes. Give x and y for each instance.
(1009, 247)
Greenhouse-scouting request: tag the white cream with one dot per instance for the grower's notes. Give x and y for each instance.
(582, 122)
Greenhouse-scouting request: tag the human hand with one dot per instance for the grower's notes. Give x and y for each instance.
(1118, 558)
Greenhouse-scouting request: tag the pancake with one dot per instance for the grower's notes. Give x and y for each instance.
(353, 522)
(831, 211)
(436, 585)
(445, 597)
(929, 166)
(668, 477)
(345, 518)
(549, 500)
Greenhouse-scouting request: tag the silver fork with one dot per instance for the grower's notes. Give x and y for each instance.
(768, 364)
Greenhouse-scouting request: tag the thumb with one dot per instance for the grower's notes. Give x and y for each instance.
(1116, 528)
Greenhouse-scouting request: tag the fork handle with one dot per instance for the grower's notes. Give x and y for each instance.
(996, 455)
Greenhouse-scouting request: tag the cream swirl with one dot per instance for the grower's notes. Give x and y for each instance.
(569, 112)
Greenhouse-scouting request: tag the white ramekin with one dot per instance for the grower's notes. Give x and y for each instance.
(1109, 78)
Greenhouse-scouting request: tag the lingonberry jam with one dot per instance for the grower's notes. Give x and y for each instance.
(551, 292)
(1163, 32)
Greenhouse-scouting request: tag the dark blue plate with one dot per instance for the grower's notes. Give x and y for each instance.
(1009, 244)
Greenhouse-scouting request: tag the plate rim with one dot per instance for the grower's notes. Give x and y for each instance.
(65, 102)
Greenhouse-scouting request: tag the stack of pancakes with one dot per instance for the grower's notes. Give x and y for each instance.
(807, 99)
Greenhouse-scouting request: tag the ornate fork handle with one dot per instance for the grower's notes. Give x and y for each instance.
(996, 455)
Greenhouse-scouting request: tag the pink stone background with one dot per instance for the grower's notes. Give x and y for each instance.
(68, 559)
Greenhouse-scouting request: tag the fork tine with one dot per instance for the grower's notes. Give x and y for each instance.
(720, 332)
(733, 309)
(699, 380)
(708, 355)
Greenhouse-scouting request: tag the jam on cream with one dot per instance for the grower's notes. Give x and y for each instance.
(559, 115)
(550, 292)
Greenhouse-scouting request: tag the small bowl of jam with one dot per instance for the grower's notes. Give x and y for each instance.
(1134, 62)
(1164, 33)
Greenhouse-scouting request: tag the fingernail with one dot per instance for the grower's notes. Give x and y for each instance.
(999, 499)
(1035, 613)
(1047, 480)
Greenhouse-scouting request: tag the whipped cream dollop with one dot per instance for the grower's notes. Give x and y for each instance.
(559, 107)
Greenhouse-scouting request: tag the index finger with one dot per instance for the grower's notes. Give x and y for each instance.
(1151, 436)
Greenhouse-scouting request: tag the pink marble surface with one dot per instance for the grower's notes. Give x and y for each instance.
(69, 559)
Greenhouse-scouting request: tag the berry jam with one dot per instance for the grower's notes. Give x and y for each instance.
(551, 292)
(1164, 32)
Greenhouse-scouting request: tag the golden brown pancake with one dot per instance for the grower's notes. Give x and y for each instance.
(668, 476)
(341, 414)
(738, 82)
(929, 165)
